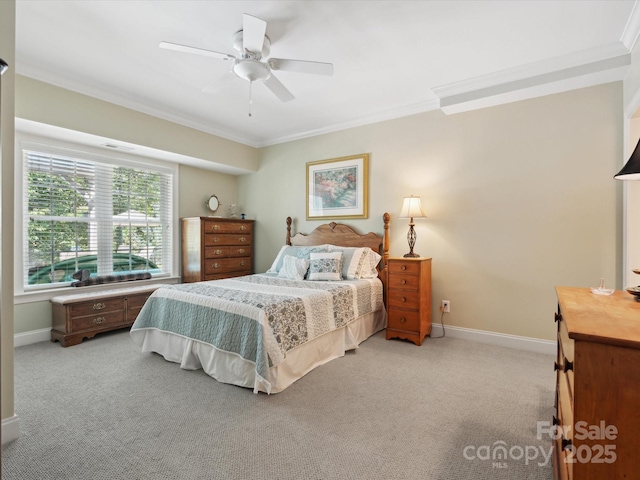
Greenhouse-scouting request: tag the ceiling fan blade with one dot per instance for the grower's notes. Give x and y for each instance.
(301, 66)
(197, 51)
(253, 32)
(278, 89)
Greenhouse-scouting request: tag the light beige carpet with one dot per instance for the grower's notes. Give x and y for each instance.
(390, 410)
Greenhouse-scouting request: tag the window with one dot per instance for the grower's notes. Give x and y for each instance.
(81, 212)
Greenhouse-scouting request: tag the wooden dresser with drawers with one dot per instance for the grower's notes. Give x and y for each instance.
(409, 299)
(214, 248)
(597, 386)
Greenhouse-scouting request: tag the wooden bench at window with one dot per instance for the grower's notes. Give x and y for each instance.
(83, 315)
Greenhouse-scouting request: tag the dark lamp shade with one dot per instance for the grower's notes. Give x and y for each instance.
(631, 169)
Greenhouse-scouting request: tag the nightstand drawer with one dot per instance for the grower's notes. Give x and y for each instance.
(407, 320)
(404, 267)
(404, 299)
(404, 282)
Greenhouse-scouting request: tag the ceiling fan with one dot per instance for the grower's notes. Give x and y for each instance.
(253, 46)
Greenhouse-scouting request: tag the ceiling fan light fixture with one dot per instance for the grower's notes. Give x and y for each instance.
(251, 70)
(238, 44)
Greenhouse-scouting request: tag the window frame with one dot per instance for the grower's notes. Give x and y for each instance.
(24, 141)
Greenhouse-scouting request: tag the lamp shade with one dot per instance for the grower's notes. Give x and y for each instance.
(631, 169)
(412, 208)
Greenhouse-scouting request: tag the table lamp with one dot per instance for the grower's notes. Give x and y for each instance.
(411, 208)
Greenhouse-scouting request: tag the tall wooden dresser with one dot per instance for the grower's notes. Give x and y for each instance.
(409, 299)
(598, 386)
(214, 248)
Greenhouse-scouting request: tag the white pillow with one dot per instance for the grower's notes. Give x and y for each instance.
(293, 268)
(369, 265)
(326, 266)
(357, 262)
(298, 252)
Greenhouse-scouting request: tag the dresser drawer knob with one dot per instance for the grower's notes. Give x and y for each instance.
(99, 320)
(215, 226)
(241, 250)
(403, 320)
(403, 267)
(216, 239)
(403, 282)
(243, 227)
(98, 306)
(403, 299)
(216, 265)
(243, 239)
(558, 317)
(218, 251)
(568, 366)
(242, 263)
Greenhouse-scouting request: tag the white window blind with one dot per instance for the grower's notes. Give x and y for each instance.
(88, 214)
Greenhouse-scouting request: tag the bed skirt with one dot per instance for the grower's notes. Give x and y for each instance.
(230, 368)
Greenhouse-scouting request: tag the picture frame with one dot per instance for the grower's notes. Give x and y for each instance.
(338, 188)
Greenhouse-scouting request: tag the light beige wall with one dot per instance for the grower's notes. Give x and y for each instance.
(7, 53)
(197, 185)
(520, 198)
(51, 105)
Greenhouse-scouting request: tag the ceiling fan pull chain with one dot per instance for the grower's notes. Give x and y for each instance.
(250, 99)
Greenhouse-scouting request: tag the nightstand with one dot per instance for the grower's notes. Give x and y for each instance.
(409, 299)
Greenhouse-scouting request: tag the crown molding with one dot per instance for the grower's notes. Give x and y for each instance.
(99, 93)
(562, 73)
(377, 117)
(631, 30)
(563, 63)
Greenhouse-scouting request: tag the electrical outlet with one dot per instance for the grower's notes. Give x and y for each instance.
(446, 306)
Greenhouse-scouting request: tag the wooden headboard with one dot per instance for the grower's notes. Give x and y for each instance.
(344, 236)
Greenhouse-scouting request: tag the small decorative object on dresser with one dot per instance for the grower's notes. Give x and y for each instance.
(409, 299)
(596, 423)
(214, 248)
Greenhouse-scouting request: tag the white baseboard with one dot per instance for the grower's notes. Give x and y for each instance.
(10, 429)
(481, 336)
(499, 339)
(34, 336)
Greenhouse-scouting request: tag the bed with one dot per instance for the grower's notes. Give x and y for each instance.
(322, 296)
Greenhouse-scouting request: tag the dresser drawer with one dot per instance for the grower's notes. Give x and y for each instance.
(404, 282)
(404, 267)
(96, 306)
(240, 251)
(99, 320)
(408, 320)
(226, 227)
(215, 240)
(404, 299)
(224, 265)
(567, 344)
(216, 252)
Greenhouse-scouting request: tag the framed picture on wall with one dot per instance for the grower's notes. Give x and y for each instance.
(338, 188)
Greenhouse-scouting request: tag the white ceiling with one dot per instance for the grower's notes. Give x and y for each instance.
(391, 58)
